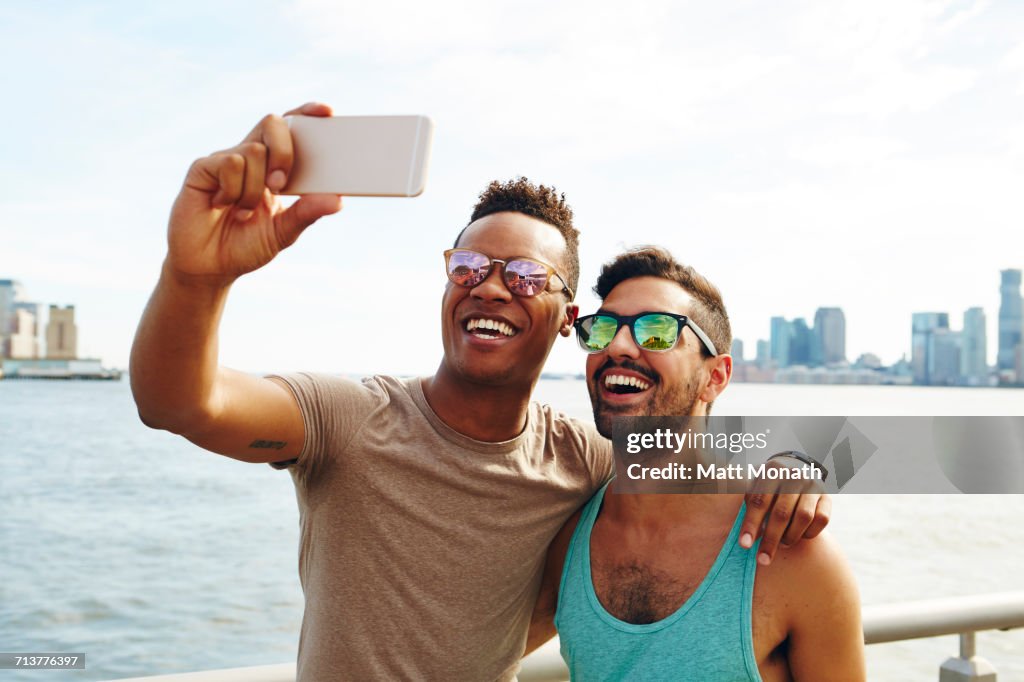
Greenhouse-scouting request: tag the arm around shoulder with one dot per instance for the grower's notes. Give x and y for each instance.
(542, 623)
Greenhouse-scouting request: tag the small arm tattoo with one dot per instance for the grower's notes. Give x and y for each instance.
(267, 444)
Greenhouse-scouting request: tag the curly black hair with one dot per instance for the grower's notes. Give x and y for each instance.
(537, 201)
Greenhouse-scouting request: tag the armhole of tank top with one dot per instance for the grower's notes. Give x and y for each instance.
(749, 577)
(571, 551)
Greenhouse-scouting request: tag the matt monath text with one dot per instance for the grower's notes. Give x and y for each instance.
(715, 472)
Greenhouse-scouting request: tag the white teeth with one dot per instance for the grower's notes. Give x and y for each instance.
(621, 380)
(480, 323)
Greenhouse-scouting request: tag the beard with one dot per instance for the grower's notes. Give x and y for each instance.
(662, 400)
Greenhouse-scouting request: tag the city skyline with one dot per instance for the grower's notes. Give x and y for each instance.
(865, 155)
(939, 354)
(817, 346)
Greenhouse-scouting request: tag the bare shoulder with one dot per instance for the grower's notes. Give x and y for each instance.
(810, 558)
(808, 599)
(811, 570)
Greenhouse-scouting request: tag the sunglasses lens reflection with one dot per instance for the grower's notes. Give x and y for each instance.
(655, 332)
(525, 277)
(651, 332)
(467, 268)
(597, 332)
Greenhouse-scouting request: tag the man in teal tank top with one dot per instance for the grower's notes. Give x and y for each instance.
(634, 593)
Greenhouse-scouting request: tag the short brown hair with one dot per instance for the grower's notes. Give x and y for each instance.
(653, 261)
(537, 201)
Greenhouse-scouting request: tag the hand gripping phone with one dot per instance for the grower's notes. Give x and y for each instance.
(370, 156)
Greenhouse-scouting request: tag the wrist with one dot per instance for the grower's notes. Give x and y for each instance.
(803, 459)
(197, 283)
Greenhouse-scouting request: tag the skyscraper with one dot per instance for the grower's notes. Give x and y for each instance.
(780, 336)
(800, 342)
(10, 292)
(38, 314)
(764, 353)
(23, 342)
(737, 350)
(974, 351)
(921, 348)
(1010, 320)
(62, 334)
(829, 336)
(944, 357)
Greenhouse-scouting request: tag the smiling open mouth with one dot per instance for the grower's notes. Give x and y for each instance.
(622, 385)
(489, 329)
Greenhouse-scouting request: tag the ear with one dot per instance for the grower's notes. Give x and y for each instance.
(719, 373)
(572, 311)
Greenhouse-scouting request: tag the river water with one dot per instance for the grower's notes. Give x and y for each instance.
(153, 556)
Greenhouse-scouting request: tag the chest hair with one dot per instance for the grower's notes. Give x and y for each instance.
(639, 593)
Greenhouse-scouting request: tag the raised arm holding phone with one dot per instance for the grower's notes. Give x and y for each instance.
(226, 222)
(427, 505)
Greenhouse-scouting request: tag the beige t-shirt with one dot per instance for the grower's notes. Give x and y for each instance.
(421, 550)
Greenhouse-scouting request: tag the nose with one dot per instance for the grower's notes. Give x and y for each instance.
(622, 345)
(493, 287)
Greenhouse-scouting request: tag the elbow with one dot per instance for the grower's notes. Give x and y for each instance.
(157, 409)
(180, 422)
(184, 423)
(155, 420)
(149, 411)
(150, 420)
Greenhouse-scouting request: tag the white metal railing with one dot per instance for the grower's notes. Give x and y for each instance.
(946, 616)
(883, 623)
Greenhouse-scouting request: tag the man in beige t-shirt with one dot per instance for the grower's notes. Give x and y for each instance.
(427, 504)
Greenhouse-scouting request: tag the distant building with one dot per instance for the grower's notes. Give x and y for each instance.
(974, 349)
(737, 350)
(800, 343)
(38, 313)
(48, 368)
(764, 353)
(944, 357)
(1019, 357)
(923, 326)
(868, 361)
(62, 334)
(1010, 319)
(780, 336)
(10, 292)
(23, 341)
(829, 336)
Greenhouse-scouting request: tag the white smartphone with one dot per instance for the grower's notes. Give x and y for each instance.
(370, 156)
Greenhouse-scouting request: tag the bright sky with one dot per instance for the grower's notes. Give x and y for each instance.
(864, 154)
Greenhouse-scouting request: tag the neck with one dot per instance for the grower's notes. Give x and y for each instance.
(480, 411)
(667, 510)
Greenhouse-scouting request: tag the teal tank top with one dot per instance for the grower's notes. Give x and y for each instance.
(708, 638)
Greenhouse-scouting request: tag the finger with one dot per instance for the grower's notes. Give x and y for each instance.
(311, 109)
(822, 515)
(775, 527)
(273, 133)
(290, 223)
(218, 174)
(253, 186)
(803, 515)
(759, 503)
